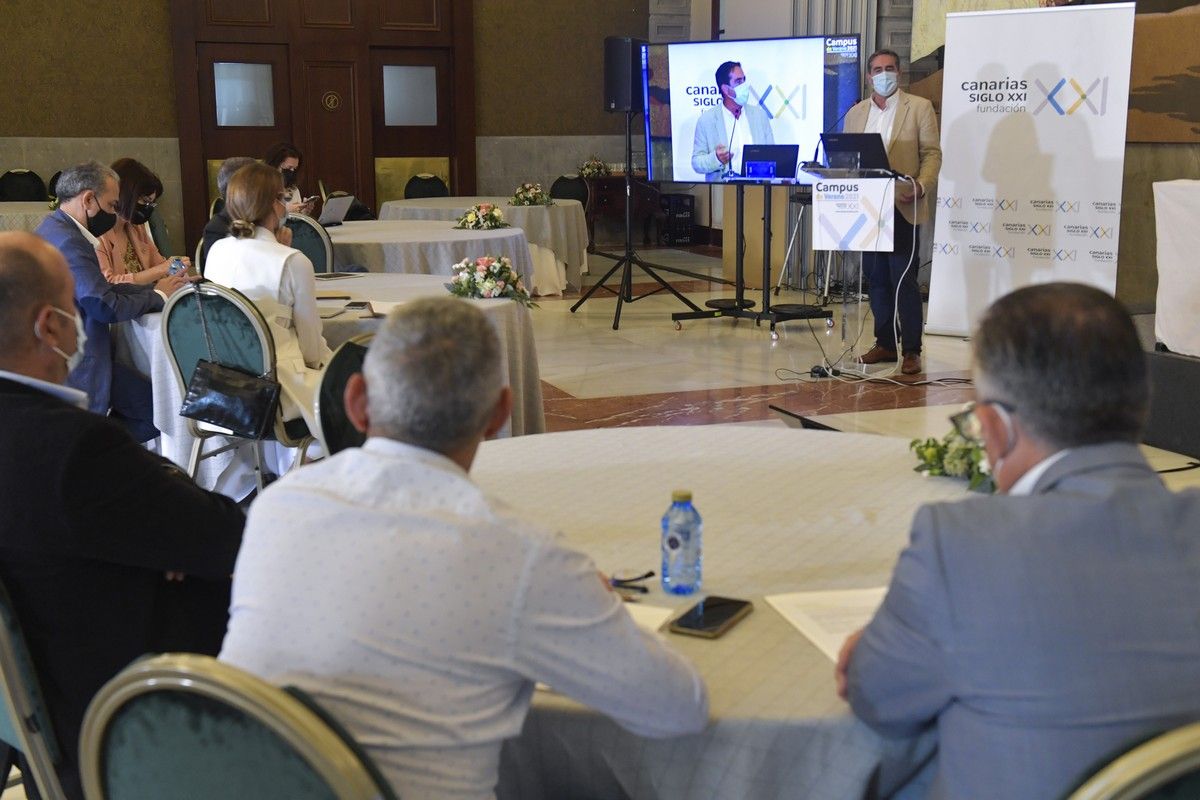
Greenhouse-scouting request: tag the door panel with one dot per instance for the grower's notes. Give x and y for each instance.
(225, 140)
(412, 139)
(334, 142)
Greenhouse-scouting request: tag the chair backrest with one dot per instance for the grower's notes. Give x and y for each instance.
(1174, 385)
(239, 334)
(571, 187)
(425, 185)
(180, 725)
(52, 186)
(24, 721)
(311, 239)
(1165, 768)
(159, 233)
(216, 206)
(22, 185)
(335, 431)
(198, 259)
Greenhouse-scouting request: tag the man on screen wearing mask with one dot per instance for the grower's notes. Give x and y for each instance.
(723, 131)
(88, 195)
(909, 129)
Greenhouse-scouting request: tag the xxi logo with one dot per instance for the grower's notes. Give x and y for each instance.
(1066, 96)
(1102, 233)
(946, 249)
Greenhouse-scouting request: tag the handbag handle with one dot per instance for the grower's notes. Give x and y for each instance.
(204, 325)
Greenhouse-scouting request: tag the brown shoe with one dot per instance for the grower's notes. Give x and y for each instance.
(912, 364)
(878, 355)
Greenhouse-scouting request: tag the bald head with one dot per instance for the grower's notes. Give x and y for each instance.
(33, 275)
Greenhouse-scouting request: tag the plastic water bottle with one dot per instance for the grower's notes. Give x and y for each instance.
(681, 540)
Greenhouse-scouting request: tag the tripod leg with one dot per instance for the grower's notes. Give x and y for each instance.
(596, 286)
(669, 287)
(626, 293)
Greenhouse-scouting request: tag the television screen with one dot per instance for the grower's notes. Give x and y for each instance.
(706, 103)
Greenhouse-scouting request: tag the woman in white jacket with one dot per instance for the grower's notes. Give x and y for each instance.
(278, 279)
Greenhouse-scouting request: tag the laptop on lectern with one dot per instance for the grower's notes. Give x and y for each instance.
(852, 155)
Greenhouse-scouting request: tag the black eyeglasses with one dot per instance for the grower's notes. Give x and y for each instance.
(967, 423)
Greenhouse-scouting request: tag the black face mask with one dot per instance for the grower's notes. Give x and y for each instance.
(142, 212)
(101, 223)
(289, 177)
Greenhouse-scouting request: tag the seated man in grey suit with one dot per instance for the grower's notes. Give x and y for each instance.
(723, 131)
(1047, 628)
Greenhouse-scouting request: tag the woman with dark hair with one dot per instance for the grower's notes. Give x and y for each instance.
(287, 159)
(127, 253)
(278, 279)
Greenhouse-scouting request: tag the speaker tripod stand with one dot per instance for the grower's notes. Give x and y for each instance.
(630, 259)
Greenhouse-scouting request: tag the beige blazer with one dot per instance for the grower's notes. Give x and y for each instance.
(914, 148)
(111, 251)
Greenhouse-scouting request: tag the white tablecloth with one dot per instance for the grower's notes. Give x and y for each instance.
(560, 228)
(140, 344)
(22, 216)
(784, 510)
(1177, 224)
(425, 247)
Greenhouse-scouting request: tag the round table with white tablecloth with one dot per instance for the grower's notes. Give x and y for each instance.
(783, 511)
(22, 216)
(425, 247)
(560, 227)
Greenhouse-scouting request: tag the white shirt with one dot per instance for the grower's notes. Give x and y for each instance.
(420, 613)
(65, 393)
(740, 136)
(1024, 484)
(880, 120)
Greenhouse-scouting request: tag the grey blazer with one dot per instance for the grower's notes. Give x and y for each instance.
(1040, 634)
(710, 132)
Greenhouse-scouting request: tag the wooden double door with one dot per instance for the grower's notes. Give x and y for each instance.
(348, 82)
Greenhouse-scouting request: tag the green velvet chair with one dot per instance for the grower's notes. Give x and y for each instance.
(187, 726)
(240, 339)
(24, 722)
(311, 239)
(1166, 767)
(159, 233)
(336, 433)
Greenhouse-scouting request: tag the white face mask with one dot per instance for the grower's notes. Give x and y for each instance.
(741, 94)
(80, 339)
(884, 83)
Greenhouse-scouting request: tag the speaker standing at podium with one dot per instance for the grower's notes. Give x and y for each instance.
(909, 128)
(723, 131)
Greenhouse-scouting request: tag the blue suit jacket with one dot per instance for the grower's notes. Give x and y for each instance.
(710, 132)
(1041, 634)
(100, 303)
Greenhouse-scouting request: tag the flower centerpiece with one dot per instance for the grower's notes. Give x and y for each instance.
(955, 457)
(483, 217)
(487, 277)
(530, 194)
(594, 168)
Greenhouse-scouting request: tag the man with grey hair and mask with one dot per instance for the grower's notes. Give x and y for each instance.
(87, 195)
(416, 609)
(1045, 629)
(217, 227)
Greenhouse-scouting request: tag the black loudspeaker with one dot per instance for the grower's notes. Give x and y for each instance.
(622, 73)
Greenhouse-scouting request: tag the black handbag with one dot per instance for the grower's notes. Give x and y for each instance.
(228, 397)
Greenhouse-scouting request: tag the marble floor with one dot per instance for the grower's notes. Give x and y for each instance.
(719, 370)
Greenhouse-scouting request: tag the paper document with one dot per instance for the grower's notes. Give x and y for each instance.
(649, 618)
(827, 618)
(384, 307)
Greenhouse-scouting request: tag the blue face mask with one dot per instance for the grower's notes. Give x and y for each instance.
(741, 94)
(884, 83)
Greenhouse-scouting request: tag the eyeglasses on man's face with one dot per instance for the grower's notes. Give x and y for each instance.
(967, 421)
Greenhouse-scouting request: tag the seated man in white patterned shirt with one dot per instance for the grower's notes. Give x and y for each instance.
(414, 608)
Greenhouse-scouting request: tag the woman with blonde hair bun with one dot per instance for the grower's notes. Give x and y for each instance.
(278, 279)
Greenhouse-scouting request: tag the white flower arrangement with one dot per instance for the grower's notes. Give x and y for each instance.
(594, 168)
(483, 217)
(530, 194)
(954, 457)
(488, 277)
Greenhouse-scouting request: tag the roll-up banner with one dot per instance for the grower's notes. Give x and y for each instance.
(1034, 105)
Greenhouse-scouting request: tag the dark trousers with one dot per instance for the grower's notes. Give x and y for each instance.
(883, 272)
(132, 403)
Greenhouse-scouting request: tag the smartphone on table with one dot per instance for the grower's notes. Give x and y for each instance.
(711, 617)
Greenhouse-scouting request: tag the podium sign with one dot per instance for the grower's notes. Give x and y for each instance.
(853, 214)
